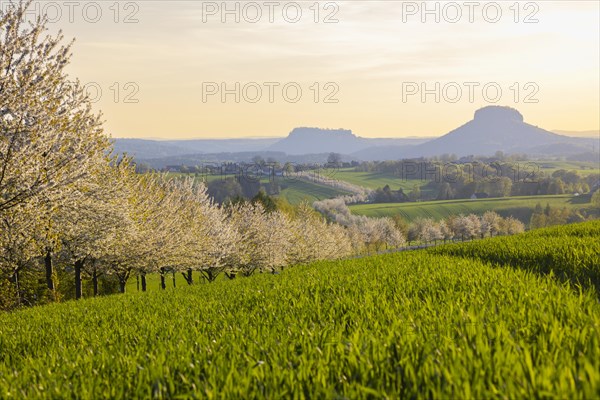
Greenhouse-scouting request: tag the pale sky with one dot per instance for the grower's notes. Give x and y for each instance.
(375, 54)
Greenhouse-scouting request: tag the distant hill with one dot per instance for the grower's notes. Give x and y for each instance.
(492, 129)
(311, 142)
(586, 134)
(497, 128)
(238, 157)
(378, 153)
(144, 149)
(316, 140)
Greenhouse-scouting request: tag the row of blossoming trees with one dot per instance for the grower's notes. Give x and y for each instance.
(463, 227)
(67, 204)
(389, 232)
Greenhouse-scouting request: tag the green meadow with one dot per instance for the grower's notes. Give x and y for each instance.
(459, 321)
(518, 207)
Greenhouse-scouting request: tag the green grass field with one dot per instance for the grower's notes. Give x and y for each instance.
(201, 177)
(297, 191)
(518, 207)
(569, 253)
(153, 282)
(405, 325)
(584, 168)
(374, 180)
(293, 190)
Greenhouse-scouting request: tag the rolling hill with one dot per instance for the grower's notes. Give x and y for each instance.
(493, 128)
(503, 317)
(145, 149)
(315, 140)
(496, 128)
(518, 207)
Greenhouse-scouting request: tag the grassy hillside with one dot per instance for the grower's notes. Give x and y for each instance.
(518, 207)
(570, 253)
(409, 325)
(374, 180)
(583, 167)
(295, 191)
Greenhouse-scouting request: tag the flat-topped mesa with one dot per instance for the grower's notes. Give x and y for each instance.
(498, 114)
(306, 140)
(304, 131)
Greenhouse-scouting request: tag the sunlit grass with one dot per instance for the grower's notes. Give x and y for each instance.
(409, 325)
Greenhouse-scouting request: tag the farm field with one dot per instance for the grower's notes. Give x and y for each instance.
(570, 253)
(201, 177)
(583, 167)
(296, 191)
(518, 207)
(410, 325)
(374, 180)
(153, 282)
(293, 190)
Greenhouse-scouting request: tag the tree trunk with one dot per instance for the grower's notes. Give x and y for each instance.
(78, 284)
(230, 275)
(163, 285)
(122, 283)
(173, 273)
(49, 270)
(190, 278)
(95, 282)
(143, 279)
(15, 280)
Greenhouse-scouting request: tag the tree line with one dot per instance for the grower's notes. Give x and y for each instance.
(68, 205)
(391, 232)
(454, 179)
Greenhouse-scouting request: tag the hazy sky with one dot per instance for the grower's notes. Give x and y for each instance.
(375, 60)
